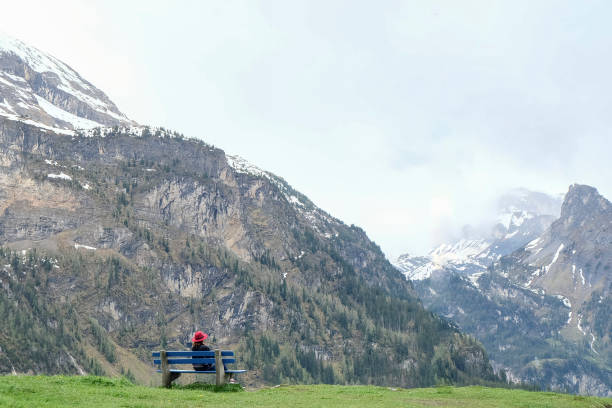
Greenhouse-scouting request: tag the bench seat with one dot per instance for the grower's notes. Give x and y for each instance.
(204, 372)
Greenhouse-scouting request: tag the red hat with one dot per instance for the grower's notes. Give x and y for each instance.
(199, 336)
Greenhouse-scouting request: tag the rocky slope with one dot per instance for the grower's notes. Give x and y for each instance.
(37, 88)
(119, 241)
(543, 311)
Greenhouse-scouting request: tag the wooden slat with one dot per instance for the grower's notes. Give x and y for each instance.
(187, 354)
(204, 372)
(224, 353)
(188, 361)
(195, 361)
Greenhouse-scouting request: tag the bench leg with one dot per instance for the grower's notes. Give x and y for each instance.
(166, 377)
(220, 378)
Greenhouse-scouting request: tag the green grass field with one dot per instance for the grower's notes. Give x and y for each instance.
(61, 391)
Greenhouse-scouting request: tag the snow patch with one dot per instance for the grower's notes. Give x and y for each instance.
(510, 235)
(565, 300)
(74, 120)
(241, 165)
(474, 278)
(78, 246)
(547, 268)
(592, 342)
(74, 363)
(533, 243)
(294, 200)
(61, 176)
(40, 125)
(580, 327)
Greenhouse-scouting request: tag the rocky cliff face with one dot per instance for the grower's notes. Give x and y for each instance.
(573, 261)
(543, 311)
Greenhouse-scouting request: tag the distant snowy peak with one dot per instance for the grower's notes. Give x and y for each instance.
(513, 218)
(522, 216)
(461, 251)
(413, 267)
(519, 205)
(40, 90)
(465, 256)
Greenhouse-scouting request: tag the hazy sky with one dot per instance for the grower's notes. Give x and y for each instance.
(405, 118)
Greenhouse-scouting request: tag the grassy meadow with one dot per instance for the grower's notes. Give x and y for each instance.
(90, 391)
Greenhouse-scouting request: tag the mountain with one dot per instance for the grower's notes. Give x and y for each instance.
(542, 311)
(522, 215)
(573, 260)
(116, 241)
(38, 89)
(573, 257)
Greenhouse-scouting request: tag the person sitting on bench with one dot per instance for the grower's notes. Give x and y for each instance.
(198, 345)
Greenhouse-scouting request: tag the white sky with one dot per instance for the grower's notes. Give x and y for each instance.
(405, 118)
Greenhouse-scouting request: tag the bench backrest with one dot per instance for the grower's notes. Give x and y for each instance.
(186, 357)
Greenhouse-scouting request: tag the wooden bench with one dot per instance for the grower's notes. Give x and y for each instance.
(217, 357)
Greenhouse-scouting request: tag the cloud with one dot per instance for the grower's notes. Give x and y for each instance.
(374, 110)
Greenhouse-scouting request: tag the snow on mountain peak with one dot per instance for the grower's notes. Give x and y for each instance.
(38, 89)
(460, 251)
(40, 61)
(522, 216)
(242, 165)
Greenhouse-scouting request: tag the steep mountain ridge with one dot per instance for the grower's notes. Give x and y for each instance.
(574, 257)
(39, 89)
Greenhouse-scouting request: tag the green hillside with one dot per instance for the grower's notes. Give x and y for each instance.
(41, 391)
(149, 237)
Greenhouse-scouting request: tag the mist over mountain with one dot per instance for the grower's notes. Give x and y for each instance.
(521, 216)
(541, 304)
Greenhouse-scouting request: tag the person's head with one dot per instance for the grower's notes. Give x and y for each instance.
(199, 337)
